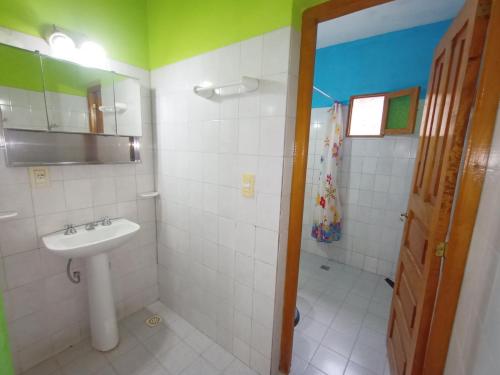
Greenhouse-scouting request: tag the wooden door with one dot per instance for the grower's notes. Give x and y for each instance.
(449, 100)
(94, 101)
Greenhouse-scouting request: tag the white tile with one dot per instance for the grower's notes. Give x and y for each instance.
(365, 356)
(238, 368)
(304, 347)
(17, 236)
(78, 194)
(354, 369)
(245, 238)
(268, 211)
(248, 136)
(260, 363)
(24, 300)
(161, 342)
(329, 361)
(251, 57)
(339, 342)
(23, 268)
(266, 245)
(198, 341)
(312, 328)
(243, 298)
(218, 357)
(276, 47)
(244, 269)
(269, 175)
(227, 232)
(134, 361)
(103, 191)
(88, 363)
(49, 199)
(200, 366)
(264, 278)
(48, 367)
(261, 339)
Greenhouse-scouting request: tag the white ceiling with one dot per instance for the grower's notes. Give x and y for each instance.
(393, 16)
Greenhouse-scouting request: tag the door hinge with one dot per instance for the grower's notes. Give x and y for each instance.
(441, 249)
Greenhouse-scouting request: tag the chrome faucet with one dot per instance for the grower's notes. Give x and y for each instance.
(69, 229)
(106, 221)
(91, 225)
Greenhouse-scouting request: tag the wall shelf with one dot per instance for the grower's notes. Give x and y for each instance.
(246, 85)
(151, 194)
(8, 215)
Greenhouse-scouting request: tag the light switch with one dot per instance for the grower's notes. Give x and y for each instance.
(39, 176)
(248, 185)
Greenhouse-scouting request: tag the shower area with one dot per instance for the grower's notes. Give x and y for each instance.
(363, 140)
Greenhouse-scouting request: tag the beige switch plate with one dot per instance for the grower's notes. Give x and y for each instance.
(248, 185)
(39, 176)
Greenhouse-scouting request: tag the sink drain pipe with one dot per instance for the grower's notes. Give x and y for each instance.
(75, 278)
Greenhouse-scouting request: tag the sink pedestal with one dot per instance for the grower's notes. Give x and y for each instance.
(103, 323)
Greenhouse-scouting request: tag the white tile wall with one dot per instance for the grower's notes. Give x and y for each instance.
(375, 176)
(475, 342)
(46, 312)
(23, 109)
(217, 249)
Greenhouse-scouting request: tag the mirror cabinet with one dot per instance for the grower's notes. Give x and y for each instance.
(40, 94)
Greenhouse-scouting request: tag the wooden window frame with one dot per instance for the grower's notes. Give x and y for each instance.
(382, 122)
(468, 193)
(413, 93)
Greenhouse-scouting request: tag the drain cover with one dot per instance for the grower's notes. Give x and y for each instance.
(153, 321)
(325, 267)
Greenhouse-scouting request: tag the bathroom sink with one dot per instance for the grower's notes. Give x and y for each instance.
(93, 241)
(85, 243)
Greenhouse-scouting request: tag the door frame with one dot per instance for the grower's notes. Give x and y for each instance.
(468, 190)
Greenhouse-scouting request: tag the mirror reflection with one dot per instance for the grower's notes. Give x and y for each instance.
(22, 102)
(128, 106)
(79, 99)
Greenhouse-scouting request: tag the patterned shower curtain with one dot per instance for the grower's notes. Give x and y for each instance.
(327, 217)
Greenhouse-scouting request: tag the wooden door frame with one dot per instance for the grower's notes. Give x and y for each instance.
(467, 197)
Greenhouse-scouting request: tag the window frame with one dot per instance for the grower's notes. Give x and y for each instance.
(382, 122)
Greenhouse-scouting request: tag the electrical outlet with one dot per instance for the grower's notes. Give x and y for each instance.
(39, 176)
(248, 185)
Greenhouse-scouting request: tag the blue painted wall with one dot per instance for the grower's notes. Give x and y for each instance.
(385, 62)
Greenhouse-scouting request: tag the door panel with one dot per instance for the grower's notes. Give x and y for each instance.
(448, 103)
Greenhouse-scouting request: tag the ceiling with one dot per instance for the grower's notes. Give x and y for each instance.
(393, 16)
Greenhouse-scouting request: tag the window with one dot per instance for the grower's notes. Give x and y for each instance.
(376, 115)
(367, 115)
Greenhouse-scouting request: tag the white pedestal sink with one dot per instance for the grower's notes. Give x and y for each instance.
(94, 244)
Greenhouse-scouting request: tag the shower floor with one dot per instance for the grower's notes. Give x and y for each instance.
(344, 313)
(172, 347)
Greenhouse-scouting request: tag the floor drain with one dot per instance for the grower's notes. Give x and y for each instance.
(325, 267)
(153, 321)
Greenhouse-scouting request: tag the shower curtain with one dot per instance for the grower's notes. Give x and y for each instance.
(327, 216)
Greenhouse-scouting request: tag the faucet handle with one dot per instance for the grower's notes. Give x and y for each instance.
(106, 221)
(69, 229)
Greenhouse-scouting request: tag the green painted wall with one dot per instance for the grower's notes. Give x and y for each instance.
(6, 367)
(152, 33)
(119, 25)
(181, 29)
(20, 69)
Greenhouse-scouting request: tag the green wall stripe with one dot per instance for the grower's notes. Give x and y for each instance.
(178, 30)
(119, 25)
(153, 33)
(6, 366)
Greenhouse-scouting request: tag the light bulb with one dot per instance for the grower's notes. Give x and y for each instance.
(62, 45)
(92, 54)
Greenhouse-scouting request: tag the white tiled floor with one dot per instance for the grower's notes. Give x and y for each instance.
(172, 348)
(344, 313)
